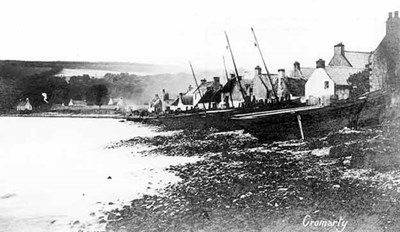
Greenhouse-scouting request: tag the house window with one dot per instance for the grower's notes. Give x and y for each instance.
(326, 84)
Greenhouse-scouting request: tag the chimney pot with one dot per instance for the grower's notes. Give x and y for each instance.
(296, 65)
(257, 70)
(320, 63)
(216, 81)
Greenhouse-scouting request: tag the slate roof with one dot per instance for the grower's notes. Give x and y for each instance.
(265, 79)
(358, 59)
(230, 85)
(339, 75)
(211, 96)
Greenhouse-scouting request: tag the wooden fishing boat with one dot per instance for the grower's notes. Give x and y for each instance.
(312, 121)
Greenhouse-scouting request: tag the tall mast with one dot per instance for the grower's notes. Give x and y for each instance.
(236, 71)
(195, 80)
(226, 72)
(227, 80)
(265, 66)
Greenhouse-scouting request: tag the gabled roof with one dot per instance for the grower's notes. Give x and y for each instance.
(339, 75)
(187, 100)
(304, 73)
(358, 59)
(204, 85)
(265, 79)
(230, 85)
(211, 96)
(24, 102)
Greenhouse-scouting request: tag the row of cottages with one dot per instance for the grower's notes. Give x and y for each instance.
(314, 85)
(206, 95)
(286, 86)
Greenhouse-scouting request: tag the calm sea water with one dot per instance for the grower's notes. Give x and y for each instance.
(54, 172)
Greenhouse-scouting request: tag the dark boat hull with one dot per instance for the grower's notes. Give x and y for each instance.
(201, 120)
(282, 124)
(315, 122)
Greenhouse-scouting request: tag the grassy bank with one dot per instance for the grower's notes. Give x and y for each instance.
(242, 185)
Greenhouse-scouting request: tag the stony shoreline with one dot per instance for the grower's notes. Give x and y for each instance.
(242, 185)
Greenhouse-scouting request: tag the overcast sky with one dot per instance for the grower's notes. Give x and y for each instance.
(173, 31)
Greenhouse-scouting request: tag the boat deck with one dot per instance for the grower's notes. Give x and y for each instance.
(274, 112)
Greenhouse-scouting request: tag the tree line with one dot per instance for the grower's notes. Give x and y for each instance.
(16, 86)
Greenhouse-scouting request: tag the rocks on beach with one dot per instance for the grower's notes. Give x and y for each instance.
(242, 185)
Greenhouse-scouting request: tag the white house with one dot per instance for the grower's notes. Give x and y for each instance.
(24, 105)
(329, 82)
(183, 102)
(319, 87)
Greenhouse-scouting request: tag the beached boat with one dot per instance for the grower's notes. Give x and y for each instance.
(312, 121)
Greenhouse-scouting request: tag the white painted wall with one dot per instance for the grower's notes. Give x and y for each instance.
(315, 86)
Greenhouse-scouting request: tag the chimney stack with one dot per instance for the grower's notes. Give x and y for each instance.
(296, 66)
(216, 82)
(339, 49)
(393, 23)
(281, 73)
(257, 70)
(320, 63)
(203, 81)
